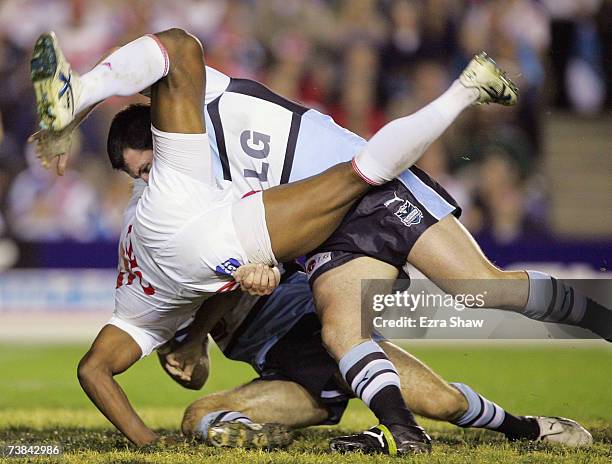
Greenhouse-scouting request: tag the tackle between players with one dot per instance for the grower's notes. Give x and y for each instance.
(280, 337)
(300, 384)
(439, 116)
(183, 199)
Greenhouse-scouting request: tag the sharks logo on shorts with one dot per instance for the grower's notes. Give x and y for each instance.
(409, 214)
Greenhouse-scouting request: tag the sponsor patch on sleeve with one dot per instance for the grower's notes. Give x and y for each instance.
(228, 267)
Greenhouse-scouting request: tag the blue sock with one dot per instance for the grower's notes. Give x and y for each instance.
(374, 379)
(484, 414)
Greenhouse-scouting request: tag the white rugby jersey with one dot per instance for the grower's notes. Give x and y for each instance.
(180, 245)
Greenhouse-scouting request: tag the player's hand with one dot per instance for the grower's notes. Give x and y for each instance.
(257, 279)
(181, 362)
(51, 145)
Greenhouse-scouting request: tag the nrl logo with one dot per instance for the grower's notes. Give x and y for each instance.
(409, 214)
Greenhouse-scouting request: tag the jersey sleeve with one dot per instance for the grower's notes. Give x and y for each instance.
(188, 154)
(216, 84)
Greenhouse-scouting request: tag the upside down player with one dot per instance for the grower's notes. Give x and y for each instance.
(171, 268)
(300, 384)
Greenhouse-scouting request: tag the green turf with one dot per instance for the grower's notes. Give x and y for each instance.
(41, 401)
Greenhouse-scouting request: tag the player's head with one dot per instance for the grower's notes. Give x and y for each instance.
(130, 143)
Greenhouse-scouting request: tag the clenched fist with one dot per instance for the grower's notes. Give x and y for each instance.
(257, 279)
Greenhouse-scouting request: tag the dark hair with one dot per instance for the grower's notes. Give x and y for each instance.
(130, 128)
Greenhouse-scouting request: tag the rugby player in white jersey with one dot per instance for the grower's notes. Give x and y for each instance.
(299, 383)
(189, 232)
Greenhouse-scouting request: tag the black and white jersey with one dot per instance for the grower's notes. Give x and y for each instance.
(260, 139)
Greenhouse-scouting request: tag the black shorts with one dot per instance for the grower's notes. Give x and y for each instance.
(300, 357)
(385, 223)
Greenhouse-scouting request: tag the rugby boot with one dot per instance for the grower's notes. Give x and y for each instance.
(492, 83)
(234, 434)
(56, 86)
(394, 440)
(562, 431)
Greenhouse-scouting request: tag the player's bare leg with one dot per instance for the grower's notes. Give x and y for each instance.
(288, 221)
(338, 300)
(290, 405)
(364, 365)
(300, 216)
(259, 414)
(428, 395)
(337, 296)
(448, 255)
(424, 391)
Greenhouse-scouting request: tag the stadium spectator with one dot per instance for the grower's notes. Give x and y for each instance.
(46, 207)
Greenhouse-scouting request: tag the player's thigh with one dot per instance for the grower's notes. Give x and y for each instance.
(448, 255)
(424, 391)
(280, 401)
(177, 99)
(301, 215)
(337, 294)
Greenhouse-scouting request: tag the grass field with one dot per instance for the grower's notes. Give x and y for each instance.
(41, 402)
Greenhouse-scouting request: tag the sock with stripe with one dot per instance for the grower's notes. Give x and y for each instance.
(201, 430)
(127, 71)
(400, 143)
(484, 414)
(374, 379)
(552, 300)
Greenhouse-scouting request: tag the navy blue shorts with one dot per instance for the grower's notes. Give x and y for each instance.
(385, 223)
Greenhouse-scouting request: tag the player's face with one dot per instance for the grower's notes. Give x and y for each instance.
(138, 163)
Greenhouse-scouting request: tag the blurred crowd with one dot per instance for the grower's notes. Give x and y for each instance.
(363, 62)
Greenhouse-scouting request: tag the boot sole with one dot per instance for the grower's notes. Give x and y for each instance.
(43, 71)
(253, 436)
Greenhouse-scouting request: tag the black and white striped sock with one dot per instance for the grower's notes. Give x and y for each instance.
(484, 414)
(552, 300)
(201, 430)
(374, 379)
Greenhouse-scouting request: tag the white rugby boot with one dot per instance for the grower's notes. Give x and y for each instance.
(492, 83)
(562, 431)
(56, 86)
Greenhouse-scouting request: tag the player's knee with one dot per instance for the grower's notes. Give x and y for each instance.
(338, 340)
(181, 47)
(194, 414)
(84, 369)
(220, 401)
(191, 417)
(174, 38)
(88, 369)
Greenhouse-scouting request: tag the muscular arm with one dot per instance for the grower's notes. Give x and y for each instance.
(113, 351)
(187, 362)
